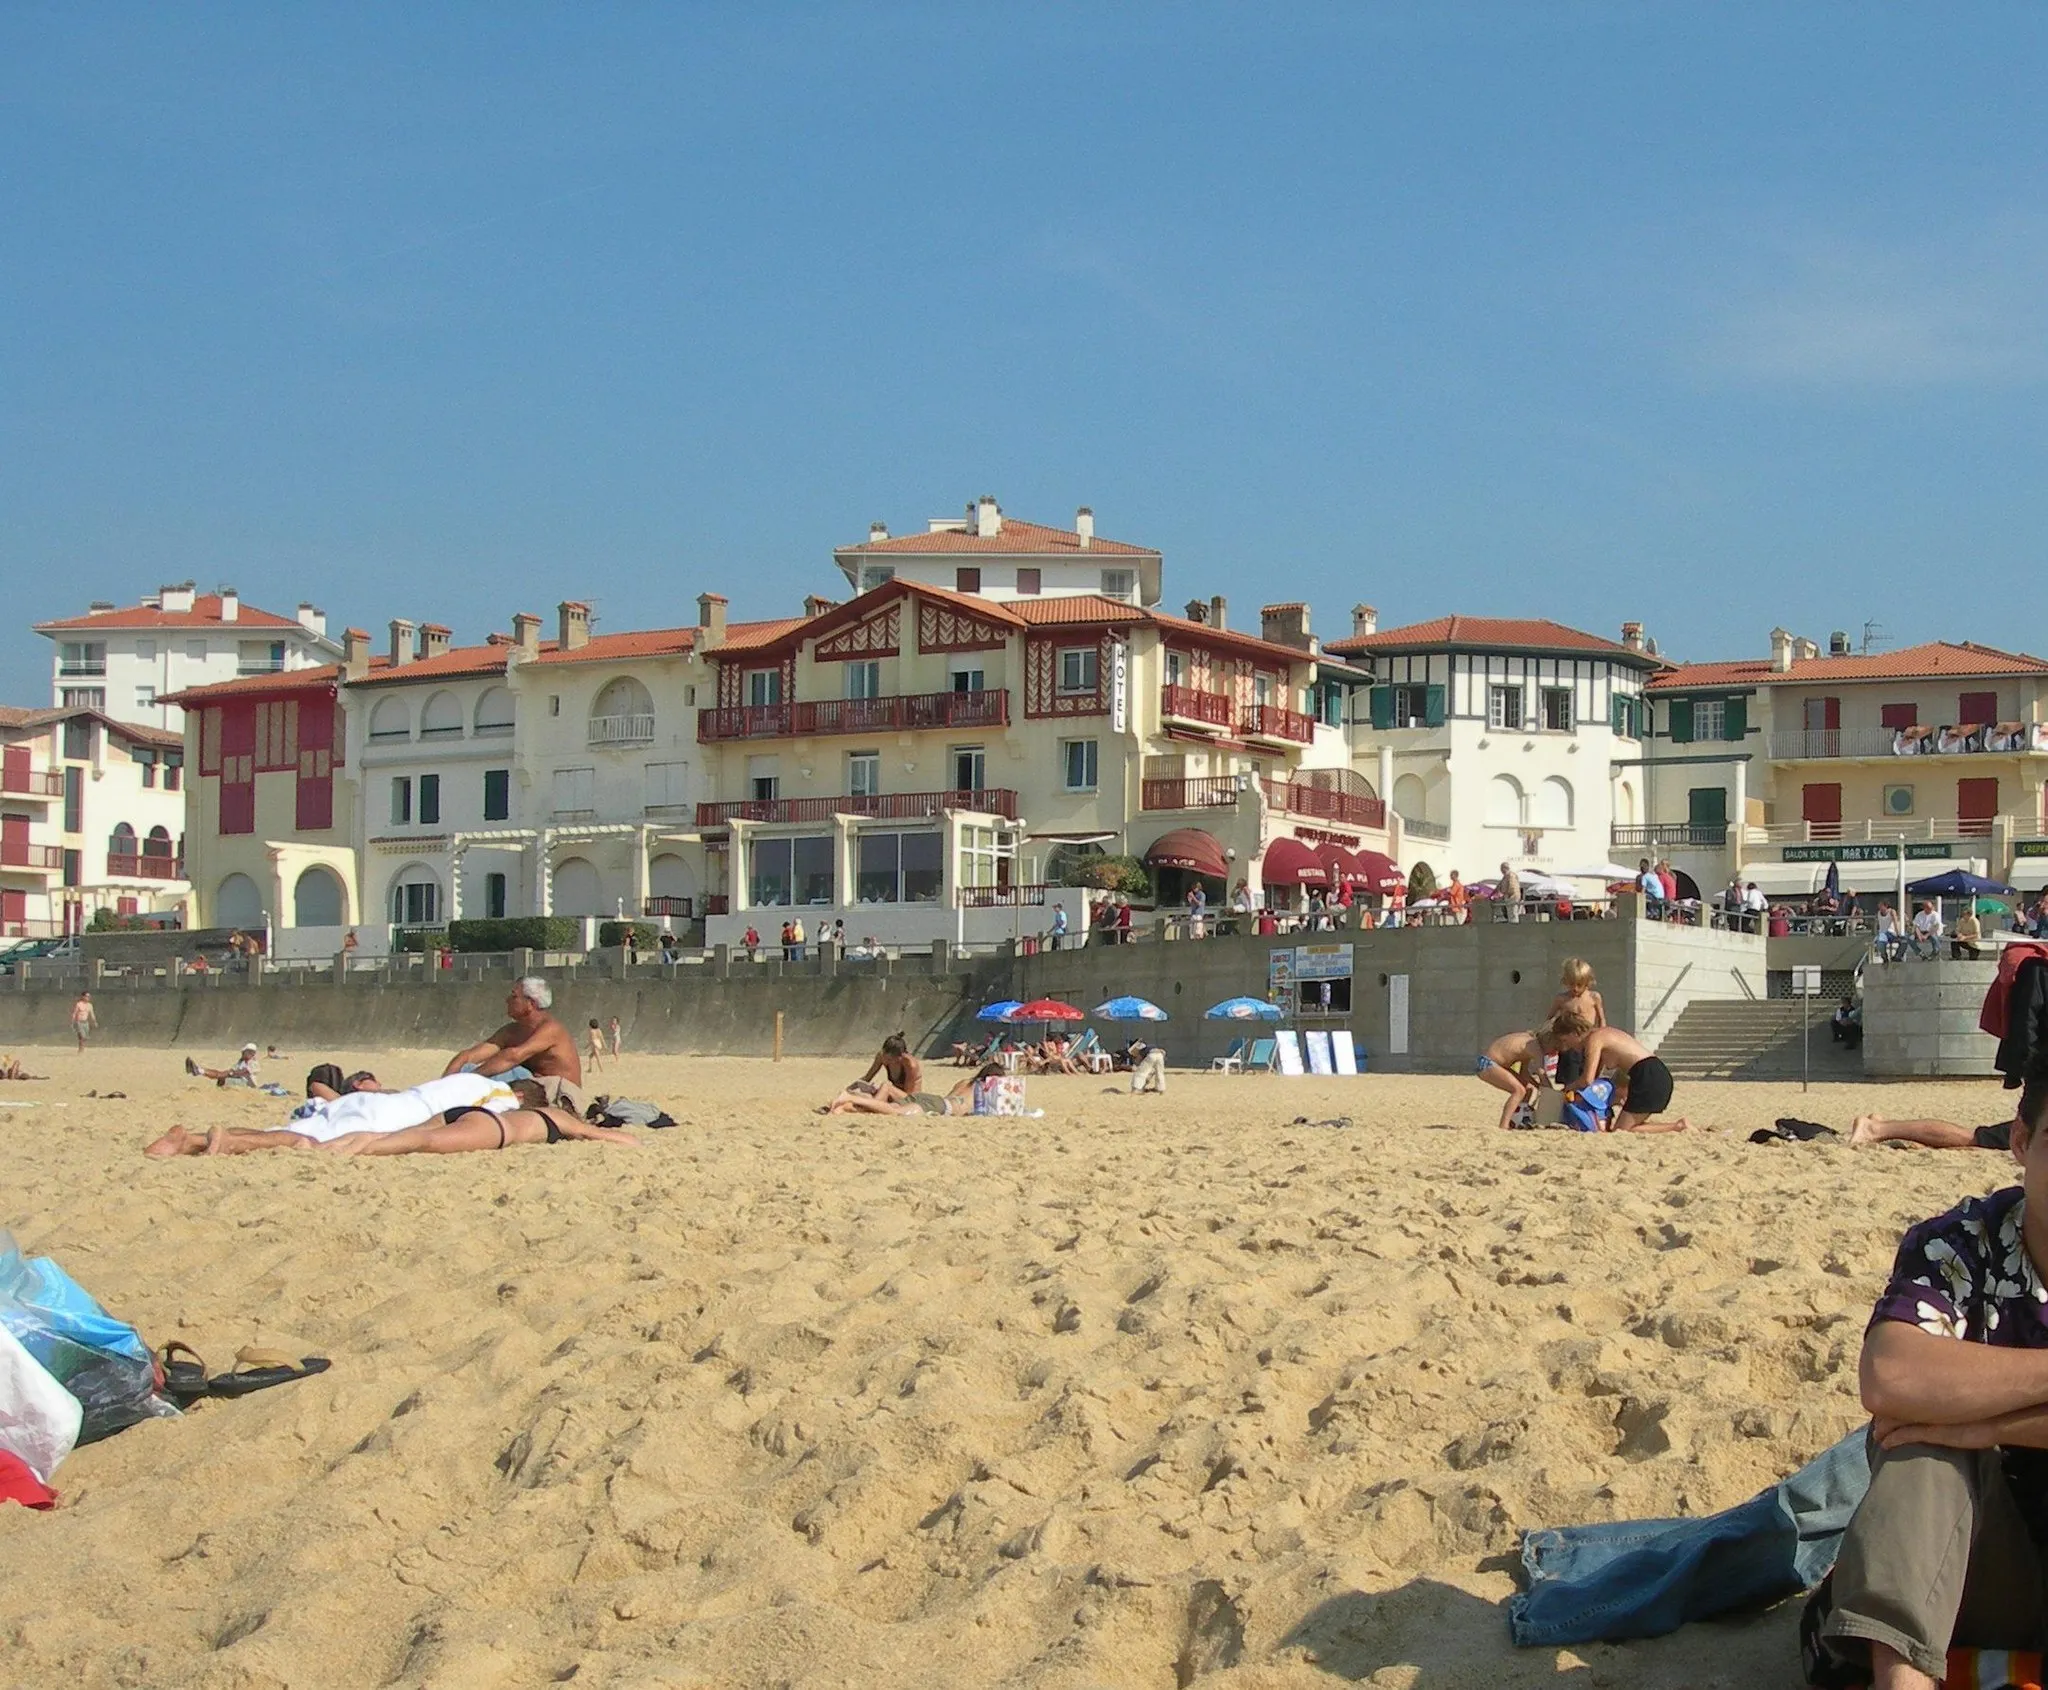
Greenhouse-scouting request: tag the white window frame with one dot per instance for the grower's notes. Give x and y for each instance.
(1087, 662)
(401, 800)
(863, 774)
(1550, 695)
(980, 754)
(1710, 718)
(1089, 753)
(1120, 584)
(1498, 700)
(763, 681)
(864, 679)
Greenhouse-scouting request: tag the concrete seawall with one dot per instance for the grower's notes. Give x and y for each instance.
(1920, 1018)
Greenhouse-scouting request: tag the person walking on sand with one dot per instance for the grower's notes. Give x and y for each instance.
(1643, 1084)
(617, 1034)
(593, 1045)
(85, 1019)
(1513, 1063)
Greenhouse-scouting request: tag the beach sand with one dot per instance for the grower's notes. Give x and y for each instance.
(1144, 1392)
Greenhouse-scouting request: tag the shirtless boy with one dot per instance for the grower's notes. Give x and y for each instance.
(1514, 1061)
(1642, 1088)
(531, 1042)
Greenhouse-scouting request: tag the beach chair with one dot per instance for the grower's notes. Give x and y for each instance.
(1232, 1060)
(1264, 1053)
(1088, 1051)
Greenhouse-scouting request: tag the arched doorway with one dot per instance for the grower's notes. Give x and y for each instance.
(317, 899)
(237, 903)
(577, 890)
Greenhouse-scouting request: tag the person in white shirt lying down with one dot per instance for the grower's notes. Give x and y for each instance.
(367, 1109)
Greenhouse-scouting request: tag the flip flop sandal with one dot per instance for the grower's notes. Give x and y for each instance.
(258, 1370)
(184, 1379)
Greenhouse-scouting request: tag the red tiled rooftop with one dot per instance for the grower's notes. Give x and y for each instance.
(20, 716)
(456, 661)
(205, 613)
(285, 680)
(1490, 633)
(1935, 660)
(1023, 539)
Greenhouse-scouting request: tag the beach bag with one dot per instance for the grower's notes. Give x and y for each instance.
(38, 1418)
(1585, 1110)
(628, 1112)
(101, 1361)
(999, 1094)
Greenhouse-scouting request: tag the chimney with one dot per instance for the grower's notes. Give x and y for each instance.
(230, 605)
(355, 653)
(313, 620)
(815, 605)
(988, 517)
(1804, 651)
(1216, 611)
(710, 621)
(1197, 611)
(1781, 651)
(1284, 624)
(1364, 620)
(526, 634)
(100, 607)
(877, 533)
(1838, 644)
(1084, 525)
(177, 600)
(433, 639)
(1632, 635)
(572, 624)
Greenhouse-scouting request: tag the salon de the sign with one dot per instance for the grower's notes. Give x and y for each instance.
(1919, 851)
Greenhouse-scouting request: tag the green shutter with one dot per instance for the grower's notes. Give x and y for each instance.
(1736, 720)
(1382, 702)
(1433, 707)
(1681, 720)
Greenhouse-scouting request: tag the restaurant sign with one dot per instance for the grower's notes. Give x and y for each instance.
(2030, 847)
(1923, 851)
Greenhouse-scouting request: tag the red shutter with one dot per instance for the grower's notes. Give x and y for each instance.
(315, 806)
(1899, 716)
(13, 912)
(1977, 709)
(238, 768)
(1820, 807)
(1976, 804)
(15, 761)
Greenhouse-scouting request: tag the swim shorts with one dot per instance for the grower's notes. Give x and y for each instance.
(1485, 1062)
(1649, 1088)
(1994, 1138)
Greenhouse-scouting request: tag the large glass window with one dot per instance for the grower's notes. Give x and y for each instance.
(788, 871)
(78, 739)
(1504, 707)
(764, 686)
(415, 903)
(1710, 718)
(79, 657)
(864, 680)
(900, 868)
(1079, 666)
(1557, 710)
(982, 860)
(1079, 759)
(970, 768)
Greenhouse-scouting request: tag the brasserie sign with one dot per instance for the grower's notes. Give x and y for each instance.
(1884, 853)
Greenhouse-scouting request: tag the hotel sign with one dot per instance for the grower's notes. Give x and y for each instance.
(1933, 851)
(1119, 686)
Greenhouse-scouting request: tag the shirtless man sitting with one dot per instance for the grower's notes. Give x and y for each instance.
(531, 1045)
(896, 1066)
(1642, 1087)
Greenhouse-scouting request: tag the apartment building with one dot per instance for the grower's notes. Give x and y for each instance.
(1501, 739)
(987, 555)
(126, 660)
(92, 817)
(1935, 755)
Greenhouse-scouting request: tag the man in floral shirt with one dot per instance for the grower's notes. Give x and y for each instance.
(1947, 1546)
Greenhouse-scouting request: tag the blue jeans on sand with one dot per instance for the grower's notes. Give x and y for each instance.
(1644, 1578)
(522, 1072)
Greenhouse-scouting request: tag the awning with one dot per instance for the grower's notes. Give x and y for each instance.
(1290, 862)
(1788, 880)
(1191, 849)
(1340, 867)
(1096, 837)
(2029, 874)
(1378, 871)
(1884, 877)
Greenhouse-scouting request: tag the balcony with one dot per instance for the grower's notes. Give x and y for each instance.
(1209, 792)
(901, 713)
(1271, 721)
(32, 783)
(1210, 709)
(619, 731)
(1350, 809)
(259, 666)
(1875, 831)
(1669, 835)
(129, 865)
(2003, 739)
(672, 909)
(19, 853)
(88, 671)
(893, 806)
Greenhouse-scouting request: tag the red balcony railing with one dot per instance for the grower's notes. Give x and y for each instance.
(19, 853)
(893, 806)
(900, 713)
(135, 865)
(1194, 706)
(32, 783)
(1270, 721)
(1210, 792)
(1324, 804)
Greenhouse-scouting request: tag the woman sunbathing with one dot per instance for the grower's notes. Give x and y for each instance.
(886, 1099)
(477, 1129)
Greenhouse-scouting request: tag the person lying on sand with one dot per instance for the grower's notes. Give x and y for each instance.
(479, 1129)
(11, 1069)
(243, 1073)
(1514, 1062)
(1642, 1088)
(1945, 1547)
(887, 1099)
(1934, 1135)
(364, 1108)
(531, 1044)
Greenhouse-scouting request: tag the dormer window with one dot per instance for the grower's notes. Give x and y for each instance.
(1120, 584)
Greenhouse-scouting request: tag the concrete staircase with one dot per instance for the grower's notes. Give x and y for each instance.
(1741, 1039)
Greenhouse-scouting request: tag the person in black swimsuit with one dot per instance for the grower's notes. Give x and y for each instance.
(477, 1129)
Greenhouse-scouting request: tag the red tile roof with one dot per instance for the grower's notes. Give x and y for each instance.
(1020, 539)
(1489, 633)
(1935, 660)
(456, 661)
(754, 636)
(19, 716)
(262, 686)
(205, 613)
(640, 642)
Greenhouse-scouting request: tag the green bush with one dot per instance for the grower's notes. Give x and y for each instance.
(645, 935)
(1127, 875)
(1421, 883)
(505, 933)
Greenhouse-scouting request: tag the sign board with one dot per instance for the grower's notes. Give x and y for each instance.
(1119, 686)
(1888, 852)
(1320, 1058)
(1806, 982)
(1397, 1015)
(1344, 1050)
(1280, 979)
(1322, 962)
(2030, 847)
(1287, 1051)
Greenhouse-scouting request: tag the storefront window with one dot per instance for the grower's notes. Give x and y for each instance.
(901, 868)
(791, 870)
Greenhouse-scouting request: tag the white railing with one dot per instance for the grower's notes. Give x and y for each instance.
(1855, 832)
(621, 730)
(2004, 739)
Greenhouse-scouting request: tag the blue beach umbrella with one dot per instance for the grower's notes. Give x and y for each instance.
(1129, 1009)
(998, 1011)
(1242, 1009)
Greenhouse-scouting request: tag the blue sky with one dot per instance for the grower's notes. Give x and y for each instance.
(1715, 316)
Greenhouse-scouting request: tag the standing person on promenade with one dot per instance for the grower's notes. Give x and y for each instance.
(85, 1019)
(1459, 900)
(1511, 891)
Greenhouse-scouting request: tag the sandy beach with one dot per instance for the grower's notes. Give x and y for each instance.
(1145, 1391)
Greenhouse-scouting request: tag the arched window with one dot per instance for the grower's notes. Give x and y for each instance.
(623, 714)
(442, 718)
(1551, 804)
(238, 903)
(577, 891)
(1503, 802)
(415, 897)
(317, 899)
(391, 720)
(158, 844)
(1625, 804)
(1410, 800)
(494, 712)
(122, 844)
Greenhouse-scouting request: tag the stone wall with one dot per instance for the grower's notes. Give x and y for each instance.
(1669, 966)
(1920, 1018)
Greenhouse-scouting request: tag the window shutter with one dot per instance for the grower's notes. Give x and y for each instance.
(1736, 720)
(1382, 700)
(1681, 720)
(1433, 707)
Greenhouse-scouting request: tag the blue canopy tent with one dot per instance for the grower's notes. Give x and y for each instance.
(1957, 883)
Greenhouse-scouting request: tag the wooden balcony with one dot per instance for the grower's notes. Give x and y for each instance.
(1271, 721)
(1210, 709)
(18, 780)
(1350, 809)
(675, 909)
(907, 712)
(19, 853)
(1208, 792)
(892, 806)
(135, 865)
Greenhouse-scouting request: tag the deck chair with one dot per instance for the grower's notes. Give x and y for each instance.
(1087, 1050)
(1232, 1060)
(1264, 1053)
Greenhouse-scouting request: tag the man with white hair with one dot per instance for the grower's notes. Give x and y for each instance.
(532, 1045)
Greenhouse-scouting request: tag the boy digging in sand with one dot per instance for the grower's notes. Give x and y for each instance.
(1642, 1087)
(1514, 1062)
